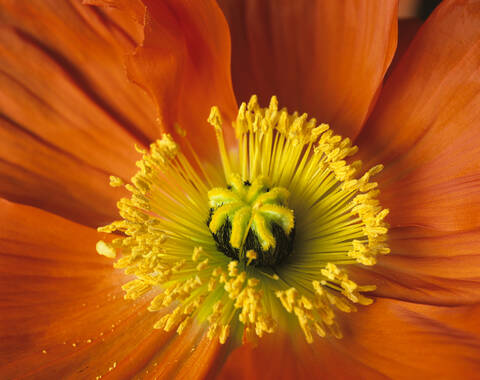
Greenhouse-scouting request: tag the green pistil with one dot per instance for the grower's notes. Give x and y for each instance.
(252, 216)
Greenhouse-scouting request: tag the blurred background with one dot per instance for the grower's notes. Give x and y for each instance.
(416, 8)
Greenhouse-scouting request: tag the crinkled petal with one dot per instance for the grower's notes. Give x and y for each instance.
(69, 117)
(63, 80)
(183, 62)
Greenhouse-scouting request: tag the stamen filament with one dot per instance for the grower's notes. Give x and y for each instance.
(262, 243)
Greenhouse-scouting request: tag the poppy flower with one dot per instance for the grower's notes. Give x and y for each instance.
(249, 234)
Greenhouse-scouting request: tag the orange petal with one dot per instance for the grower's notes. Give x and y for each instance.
(434, 188)
(63, 80)
(387, 340)
(286, 355)
(189, 356)
(128, 17)
(272, 358)
(443, 194)
(204, 361)
(60, 297)
(428, 267)
(62, 312)
(410, 341)
(70, 116)
(407, 29)
(425, 127)
(36, 173)
(327, 58)
(183, 62)
(431, 102)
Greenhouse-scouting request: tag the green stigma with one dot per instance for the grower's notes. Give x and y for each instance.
(252, 217)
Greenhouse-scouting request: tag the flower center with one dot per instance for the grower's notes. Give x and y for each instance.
(251, 217)
(222, 247)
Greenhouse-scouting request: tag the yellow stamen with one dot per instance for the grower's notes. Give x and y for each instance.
(216, 121)
(269, 243)
(251, 255)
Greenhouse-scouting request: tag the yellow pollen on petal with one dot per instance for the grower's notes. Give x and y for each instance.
(263, 241)
(106, 249)
(116, 181)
